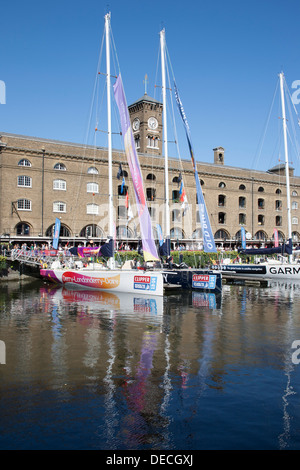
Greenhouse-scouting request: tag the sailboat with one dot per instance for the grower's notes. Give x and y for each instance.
(271, 269)
(110, 278)
(198, 279)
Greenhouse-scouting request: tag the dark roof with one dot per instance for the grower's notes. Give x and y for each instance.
(146, 98)
(280, 166)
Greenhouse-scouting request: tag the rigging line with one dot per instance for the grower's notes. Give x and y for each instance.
(260, 146)
(187, 222)
(88, 130)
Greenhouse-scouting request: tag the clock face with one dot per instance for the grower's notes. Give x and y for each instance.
(152, 123)
(136, 124)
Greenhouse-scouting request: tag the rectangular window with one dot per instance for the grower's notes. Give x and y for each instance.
(60, 185)
(59, 207)
(24, 181)
(24, 205)
(92, 188)
(92, 209)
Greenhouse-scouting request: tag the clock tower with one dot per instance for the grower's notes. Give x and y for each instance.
(146, 120)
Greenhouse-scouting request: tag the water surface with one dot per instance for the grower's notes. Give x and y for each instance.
(190, 371)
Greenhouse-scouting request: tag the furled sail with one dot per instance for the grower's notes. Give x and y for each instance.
(149, 248)
(208, 239)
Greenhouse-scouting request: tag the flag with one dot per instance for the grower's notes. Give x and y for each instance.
(56, 233)
(160, 234)
(179, 178)
(129, 213)
(122, 185)
(276, 241)
(120, 172)
(243, 236)
(208, 238)
(182, 195)
(149, 248)
(126, 200)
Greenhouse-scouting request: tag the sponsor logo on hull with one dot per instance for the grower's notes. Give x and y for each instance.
(286, 270)
(89, 281)
(204, 281)
(145, 283)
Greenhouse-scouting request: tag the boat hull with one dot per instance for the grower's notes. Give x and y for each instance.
(148, 283)
(195, 279)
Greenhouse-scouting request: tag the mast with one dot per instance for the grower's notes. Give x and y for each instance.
(163, 73)
(108, 90)
(287, 174)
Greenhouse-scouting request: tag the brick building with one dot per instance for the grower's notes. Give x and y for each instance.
(41, 179)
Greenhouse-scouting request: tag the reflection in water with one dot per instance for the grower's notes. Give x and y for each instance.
(116, 371)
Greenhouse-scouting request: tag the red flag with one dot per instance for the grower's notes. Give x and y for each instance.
(126, 200)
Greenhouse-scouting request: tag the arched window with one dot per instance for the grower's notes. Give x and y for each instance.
(295, 220)
(221, 200)
(176, 215)
(222, 185)
(242, 202)
(294, 193)
(24, 205)
(60, 166)
(294, 205)
(24, 181)
(222, 235)
(24, 162)
(242, 219)
(124, 232)
(278, 205)
(151, 194)
(278, 191)
(261, 203)
(295, 236)
(151, 177)
(92, 170)
(64, 231)
(137, 141)
(92, 230)
(242, 187)
(261, 219)
(197, 234)
(177, 233)
(260, 235)
(122, 191)
(60, 185)
(23, 229)
(221, 218)
(261, 189)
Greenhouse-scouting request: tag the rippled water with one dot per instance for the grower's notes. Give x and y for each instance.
(87, 370)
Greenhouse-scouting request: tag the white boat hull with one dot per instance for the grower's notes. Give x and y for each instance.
(131, 281)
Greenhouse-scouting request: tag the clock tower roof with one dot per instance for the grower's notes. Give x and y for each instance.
(145, 98)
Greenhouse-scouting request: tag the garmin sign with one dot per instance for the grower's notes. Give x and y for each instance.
(2, 92)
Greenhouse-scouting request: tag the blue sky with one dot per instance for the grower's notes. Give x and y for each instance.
(226, 56)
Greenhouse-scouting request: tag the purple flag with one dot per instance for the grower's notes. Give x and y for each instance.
(149, 248)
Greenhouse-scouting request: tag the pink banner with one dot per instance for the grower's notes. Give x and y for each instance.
(149, 248)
